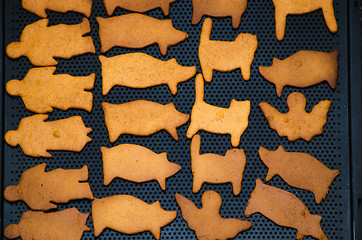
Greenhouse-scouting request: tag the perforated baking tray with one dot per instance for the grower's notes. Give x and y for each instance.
(339, 147)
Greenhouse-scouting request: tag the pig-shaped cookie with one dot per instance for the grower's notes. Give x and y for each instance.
(139, 70)
(218, 8)
(207, 222)
(299, 170)
(135, 30)
(140, 6)
(68, 224)
(225, 56)
(284, 209)
(36, 137)
(137, 164)
(39, 6)
(302, 69)
(213, 168)
(41, 90)
(129, 215)
(142, 118)
(41, 44)
(285, 7)
(232, 120)
(40, 189)
(297, 123)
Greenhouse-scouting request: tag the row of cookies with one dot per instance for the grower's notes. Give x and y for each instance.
(143, 118)
(214, 8)
(39, 189)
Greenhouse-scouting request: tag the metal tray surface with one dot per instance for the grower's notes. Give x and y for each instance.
(303, 32)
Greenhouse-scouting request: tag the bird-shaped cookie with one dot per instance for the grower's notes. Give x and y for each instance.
(207, 221)
(297, 123)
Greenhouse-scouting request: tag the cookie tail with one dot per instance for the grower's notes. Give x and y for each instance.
(199, 88)
(206, 31)
(195, 147)
(332, 80)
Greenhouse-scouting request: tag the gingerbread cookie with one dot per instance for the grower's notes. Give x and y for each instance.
(36, 137)
(41, 44)
(129, 215)
(39, 6)
(139, 70)
(285, 7)
(284, 209)
(213, 168)
(68, 224)
(302, 69)
(137, 164)
(232, 120)
(299, 170)
(40, 189)
(140, 6)
(225, 56)
(142, 118)
(297, 123)
(135, 30)
(218, 8)
(207, 221)
(41, 90)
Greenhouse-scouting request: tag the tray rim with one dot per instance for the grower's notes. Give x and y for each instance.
(355, 113)
(354, 10)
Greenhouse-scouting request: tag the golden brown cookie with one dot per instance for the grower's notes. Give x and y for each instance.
(213, 168)
(41, 90)
(139, 70)
(302, 69)
(284, 209)
(225, 56)
(68, 224)
(39, 6)
(140, 6)
(142, 118)
(135, 30)
(41, 44)
(36, 137)
(137, 164)
(297, 123)
(285, 7)
(129, 215)
(232, 120)
(299, 170)
(207, 221)
(218, 8)
(40, 189)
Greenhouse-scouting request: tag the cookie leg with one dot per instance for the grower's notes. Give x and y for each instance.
(196, 17)
(192, 130)
(236, 186)
(207, 72)
(236, 19)
(235, 140)
(197, 183)
(163, 49)
(329, 18)
(280, 22)
(245, 72)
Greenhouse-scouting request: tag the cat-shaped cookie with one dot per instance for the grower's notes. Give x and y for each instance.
(225, 56)
(218, 8)
(232, 120)
(214, 168)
